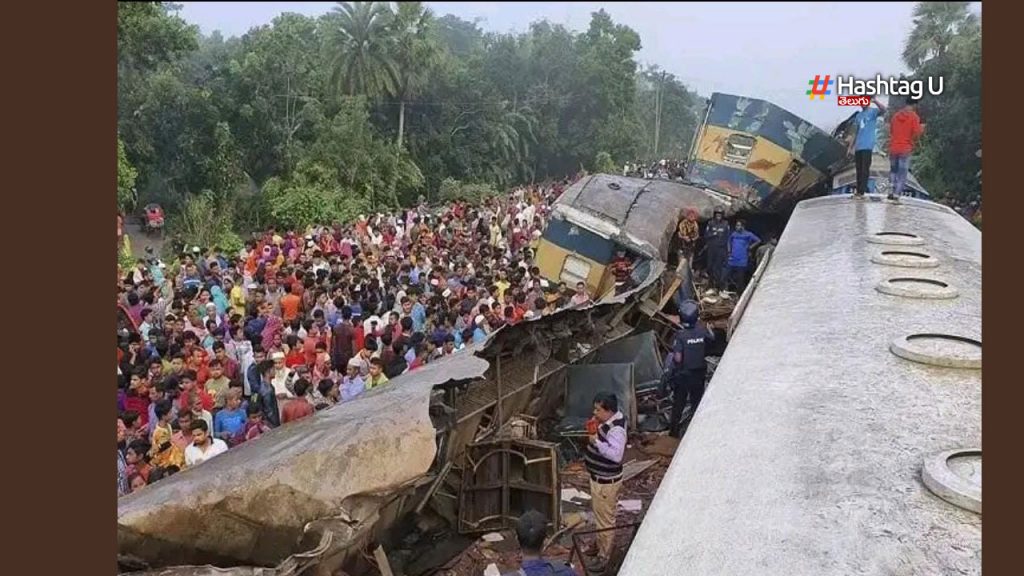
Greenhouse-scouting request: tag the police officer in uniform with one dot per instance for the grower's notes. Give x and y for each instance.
(688, 366)
(717, 238)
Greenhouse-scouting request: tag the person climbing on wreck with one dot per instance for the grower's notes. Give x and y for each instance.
(688, 233)
(622, 271)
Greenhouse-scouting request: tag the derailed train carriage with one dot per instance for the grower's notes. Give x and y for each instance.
(841, 432)
(761, 154)
(603, 213)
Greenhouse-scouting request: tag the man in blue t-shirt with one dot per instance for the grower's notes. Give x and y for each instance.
(864, 143)
(740, 242)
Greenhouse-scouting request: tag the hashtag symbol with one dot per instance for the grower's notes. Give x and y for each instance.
(819, 87)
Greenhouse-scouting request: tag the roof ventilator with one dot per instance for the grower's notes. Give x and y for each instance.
(896, 239)
(913, 287)
(955, 476)
(905, 259)
(944, 350)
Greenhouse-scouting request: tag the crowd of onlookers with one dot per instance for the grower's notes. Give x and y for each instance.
(664, 169)
(217, 348)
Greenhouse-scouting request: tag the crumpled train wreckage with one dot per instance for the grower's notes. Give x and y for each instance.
(310, 497)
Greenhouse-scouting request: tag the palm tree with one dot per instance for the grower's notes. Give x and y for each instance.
(416, 54)
(935, 26)
(360, 38)
(511, 136)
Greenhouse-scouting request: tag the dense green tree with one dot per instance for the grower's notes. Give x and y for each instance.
(273, 89)
(180, 139)
(946, 161)
(126, 174)
(150, 34)
(936, 24)
(603, 108)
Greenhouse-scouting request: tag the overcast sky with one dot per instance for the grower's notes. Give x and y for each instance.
(762, 50)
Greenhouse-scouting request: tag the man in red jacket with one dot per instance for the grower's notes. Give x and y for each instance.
(905, 128)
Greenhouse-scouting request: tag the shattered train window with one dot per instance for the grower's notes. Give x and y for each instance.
(738, 148)
(574, 270)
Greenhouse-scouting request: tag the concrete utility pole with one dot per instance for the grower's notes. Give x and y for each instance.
(657, 113)
(657, 119)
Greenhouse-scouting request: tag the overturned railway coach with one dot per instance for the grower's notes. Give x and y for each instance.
(603, 213)
(841, 433)
(760, 153)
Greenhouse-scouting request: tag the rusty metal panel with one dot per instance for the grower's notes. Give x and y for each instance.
(504, 478)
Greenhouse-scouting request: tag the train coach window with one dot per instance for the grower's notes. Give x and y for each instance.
(738, 148)
(574, 270)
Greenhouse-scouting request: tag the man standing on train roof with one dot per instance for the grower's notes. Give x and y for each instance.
(689, 369)
(905, 128)
(864, 143)
(740, 242)
(717, 238)
(603, 459)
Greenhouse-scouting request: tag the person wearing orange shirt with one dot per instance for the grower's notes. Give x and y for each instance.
(291, 303)
(905, 128)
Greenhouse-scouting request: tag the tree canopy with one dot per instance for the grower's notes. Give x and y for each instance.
(946, 42)
(374, 104)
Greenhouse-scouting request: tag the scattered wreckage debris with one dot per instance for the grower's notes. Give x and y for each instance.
(504, 478)
(624, 534)
(647, 459)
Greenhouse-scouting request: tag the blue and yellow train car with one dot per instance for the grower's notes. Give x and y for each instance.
(755, 151)
(604, 213)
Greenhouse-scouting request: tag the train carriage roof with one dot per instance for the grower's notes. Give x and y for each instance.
(639, 214)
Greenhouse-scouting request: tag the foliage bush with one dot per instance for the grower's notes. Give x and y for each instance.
(126, 175)
(451, 190)
(603, 163)
(206, 221)
(311, 197)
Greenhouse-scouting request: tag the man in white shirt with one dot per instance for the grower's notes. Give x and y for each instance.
(203, 446)
(283, 376)
(580, 298)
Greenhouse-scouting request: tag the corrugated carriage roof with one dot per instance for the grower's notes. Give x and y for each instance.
(638, 213)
